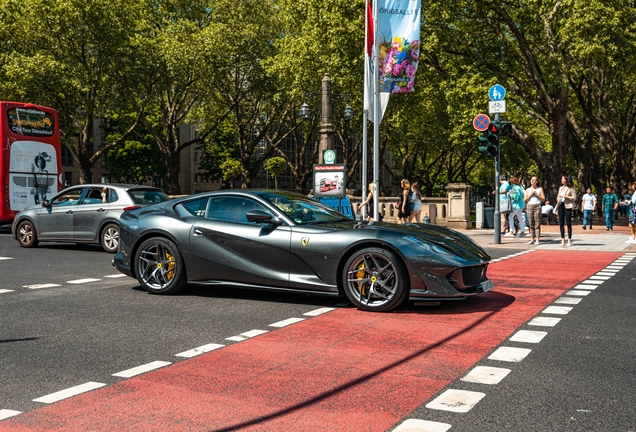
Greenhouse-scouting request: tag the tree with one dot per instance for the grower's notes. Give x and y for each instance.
(275, 166)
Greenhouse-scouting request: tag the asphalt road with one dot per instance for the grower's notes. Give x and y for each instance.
(579, 377)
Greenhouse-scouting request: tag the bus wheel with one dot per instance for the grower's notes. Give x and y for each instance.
(110, 238)
(27, 236)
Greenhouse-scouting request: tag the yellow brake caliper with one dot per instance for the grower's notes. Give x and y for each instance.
(360, 275)
(170, 272)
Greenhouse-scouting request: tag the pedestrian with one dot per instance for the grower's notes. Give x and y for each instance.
(416, 200)
(565, 204)
(534, 196)
(609, 205)
(504, 198)
(516, 195)
(403, 205)
(369, 202)
(588, 202)
(631, 214)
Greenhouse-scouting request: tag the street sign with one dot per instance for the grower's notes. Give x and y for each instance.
(497, 93)
(495, 107)
(481, 122)
(329, 156)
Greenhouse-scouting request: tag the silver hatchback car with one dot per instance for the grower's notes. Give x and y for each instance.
(83, 214)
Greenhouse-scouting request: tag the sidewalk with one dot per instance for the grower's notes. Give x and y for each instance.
(597, 239)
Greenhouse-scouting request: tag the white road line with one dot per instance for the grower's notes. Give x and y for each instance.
(114, 276)
(568, 300)
(142, 369)
(544, 321)
(6, 413)
(557, 310)
(199, 350)
(2, 291)
(614, 267)
(609, 273)
(460, 401)
(415, 425)
(38, 286)
(5, 258)
(486, 375)
(578, 293)
(586, 287)
(528, 336)
(320, 311)
(253, 333)
(603, 278)
(236, 338)
(592, 282)
(69, 392)
(287, 322)
(510, 354)
(81, 281)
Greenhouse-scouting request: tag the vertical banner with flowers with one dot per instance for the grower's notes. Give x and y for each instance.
(399, 33)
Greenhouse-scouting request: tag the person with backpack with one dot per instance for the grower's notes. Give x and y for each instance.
(517, 196)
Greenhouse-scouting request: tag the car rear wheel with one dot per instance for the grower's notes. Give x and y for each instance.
(159, 267)
(110, 238)
(375, 279)
(27, 237)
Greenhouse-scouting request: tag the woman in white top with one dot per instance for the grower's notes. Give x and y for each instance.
(534, 197)
(416, 199)
(565, 205)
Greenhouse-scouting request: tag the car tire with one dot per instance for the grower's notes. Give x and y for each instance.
(375, 279)
(26, 234)
(159, 266)
(110, 238)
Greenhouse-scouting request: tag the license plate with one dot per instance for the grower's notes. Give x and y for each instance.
(487, 285)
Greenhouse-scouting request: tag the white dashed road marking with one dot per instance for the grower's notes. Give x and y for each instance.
(568, 300)
(253, 333)
(236, 338)
(586, 287)
(38, 286)
(287, 322)
(319, 311)
(6, 413)
(528, 336)
(5, 258)
(577, 293)
(486, 375)
(81, 281)
(199, 350)
(544, 321)
(114, 276)
(2, 291)
(510, 354)
(415, 425)
(73, 391)
(460, 401)
(557, 310)
(141, 369)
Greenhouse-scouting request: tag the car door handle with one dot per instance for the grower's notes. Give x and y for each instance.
(198, 232)
(101, 210)
(69, 212)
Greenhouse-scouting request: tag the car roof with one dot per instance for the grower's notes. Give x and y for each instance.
(125, 186)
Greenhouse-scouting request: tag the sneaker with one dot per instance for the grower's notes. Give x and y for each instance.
(584, 227)
(508, 234)
(537, 242)
(531, 242)
(607, 229)
(629, 241)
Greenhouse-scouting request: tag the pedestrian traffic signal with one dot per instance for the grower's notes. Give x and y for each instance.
(506, 128)
(489, 141)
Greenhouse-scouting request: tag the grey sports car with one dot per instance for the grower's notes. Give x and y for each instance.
(284, 241)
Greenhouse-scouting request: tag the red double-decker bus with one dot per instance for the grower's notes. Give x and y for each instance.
(30, 162)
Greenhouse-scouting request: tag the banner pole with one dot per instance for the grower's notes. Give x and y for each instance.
(376, 114)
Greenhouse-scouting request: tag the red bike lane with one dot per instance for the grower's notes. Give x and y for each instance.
(345, 370)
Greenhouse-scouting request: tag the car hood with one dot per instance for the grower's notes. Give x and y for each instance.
(453, 241)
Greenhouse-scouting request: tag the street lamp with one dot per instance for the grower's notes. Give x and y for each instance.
(327, 130)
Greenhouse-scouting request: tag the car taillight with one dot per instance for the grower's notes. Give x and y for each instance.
(131, 208)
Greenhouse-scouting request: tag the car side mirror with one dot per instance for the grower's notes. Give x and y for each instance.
(259, 216)
(46, 203)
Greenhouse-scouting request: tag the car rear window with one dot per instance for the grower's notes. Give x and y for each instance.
(147, 196)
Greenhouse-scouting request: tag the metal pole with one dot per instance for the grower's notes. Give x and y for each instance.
(365, 161)
(497, 215)
(327, 130)
(376, 114)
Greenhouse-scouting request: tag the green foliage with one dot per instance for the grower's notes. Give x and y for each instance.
(231, 168)
(135, 162)
(275, 166)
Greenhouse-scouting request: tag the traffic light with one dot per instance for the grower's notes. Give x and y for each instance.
(506, 128)
(489, 141)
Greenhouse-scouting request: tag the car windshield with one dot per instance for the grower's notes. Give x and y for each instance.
(303, 210)
(147, 196)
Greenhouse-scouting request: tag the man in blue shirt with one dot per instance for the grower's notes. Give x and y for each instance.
(609, 204)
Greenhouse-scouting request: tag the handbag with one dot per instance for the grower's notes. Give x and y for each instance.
(506, 205)
(556, 208)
